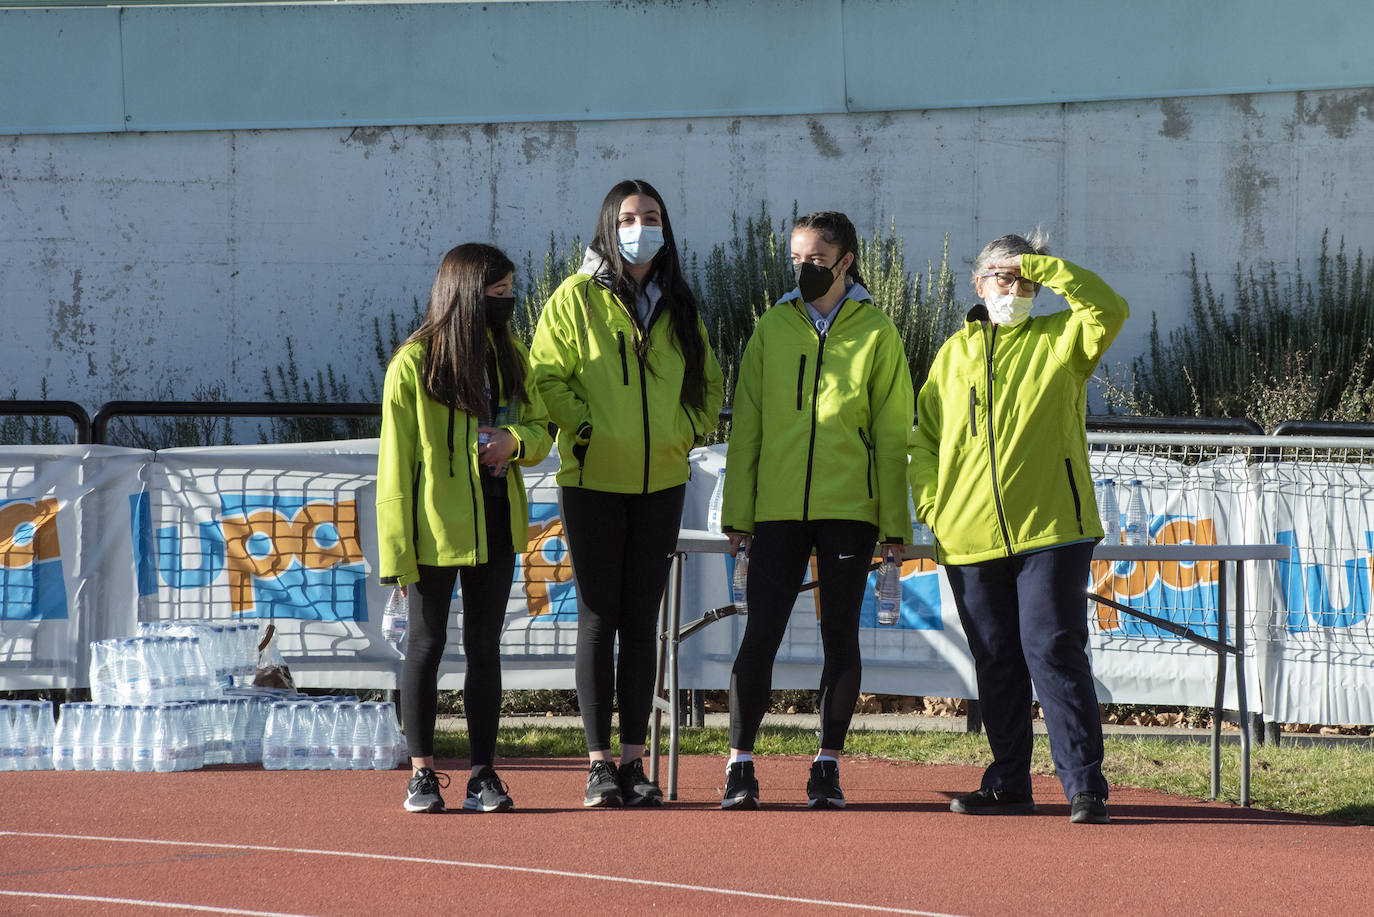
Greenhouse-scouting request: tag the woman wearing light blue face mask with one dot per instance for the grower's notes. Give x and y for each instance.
(622, 359)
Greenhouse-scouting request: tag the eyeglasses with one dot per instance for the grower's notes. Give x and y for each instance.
(1007, 280)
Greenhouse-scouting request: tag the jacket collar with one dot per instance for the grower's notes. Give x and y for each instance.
(599, 270)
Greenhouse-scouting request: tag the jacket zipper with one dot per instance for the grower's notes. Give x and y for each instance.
(868, 454)
(1073, 489)
(815, 392)
(450, 442)
(475, 483)
(644, 403)
(801, 379)
(988, 343)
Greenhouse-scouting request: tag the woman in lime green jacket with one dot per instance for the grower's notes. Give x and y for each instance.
(817, 462)
(622, 360)
(459, 417)
(999, 471)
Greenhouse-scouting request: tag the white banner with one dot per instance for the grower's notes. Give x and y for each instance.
(95, 539)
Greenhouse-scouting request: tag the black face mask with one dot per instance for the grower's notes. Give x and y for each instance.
(813, 281)
(499, 309)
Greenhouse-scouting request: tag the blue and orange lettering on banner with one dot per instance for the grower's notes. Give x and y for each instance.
(1306, 593)
(920, 597)
(1183, 592)
(31, 583)
(283, 557)
(546, 568)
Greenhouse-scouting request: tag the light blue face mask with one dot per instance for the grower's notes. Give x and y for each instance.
(639, 244)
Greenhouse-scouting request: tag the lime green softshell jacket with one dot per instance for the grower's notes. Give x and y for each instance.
(429, 493)
(590, 376)
(821, 426)
(999, 456)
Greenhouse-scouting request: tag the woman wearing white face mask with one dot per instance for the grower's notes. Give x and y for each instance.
(999, 471)
(622, 360)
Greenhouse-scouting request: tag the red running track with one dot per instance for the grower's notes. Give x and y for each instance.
(242, 840)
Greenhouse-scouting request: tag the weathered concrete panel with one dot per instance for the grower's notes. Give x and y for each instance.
(138, 265)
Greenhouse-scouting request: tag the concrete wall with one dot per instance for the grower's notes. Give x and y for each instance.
(136, 264)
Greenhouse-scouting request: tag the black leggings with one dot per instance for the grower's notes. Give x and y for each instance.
(621, 546)
(777, 562)
(486, 590)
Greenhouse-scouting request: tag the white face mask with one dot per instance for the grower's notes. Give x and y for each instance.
(1006, 309)
(639, 243)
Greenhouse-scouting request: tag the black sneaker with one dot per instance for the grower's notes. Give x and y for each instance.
(636, 787)
(1088, 809)
(422, 793)
(741, 789)
(603, 789)
(486, 793)
(823, 789)
(988, 801)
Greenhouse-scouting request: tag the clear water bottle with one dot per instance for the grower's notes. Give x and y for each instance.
(341, 736)
(302, 721)
(1137, 530)
(321, 733)
(713, 510)
(386, 739)
(739, 582)
(276, 736)
(145, 734)
(9, 740)
(83, 736)
(888, 591)
(921, 533)
(106, 734)
(64, 738)
(361, 759)
(124, 737)
(1109, 511)
(395, 618)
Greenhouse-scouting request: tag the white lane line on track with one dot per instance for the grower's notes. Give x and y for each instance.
(502, 867)
(140, 902)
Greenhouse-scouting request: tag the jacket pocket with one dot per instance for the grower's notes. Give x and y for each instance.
(1073, 491)
(973, 411)
(868, 454)
(801, 380)
(624, 363)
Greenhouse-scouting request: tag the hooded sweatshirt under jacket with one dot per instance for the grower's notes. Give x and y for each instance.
(821, 423)
(999, 457)
(622, 424)
(429, 491)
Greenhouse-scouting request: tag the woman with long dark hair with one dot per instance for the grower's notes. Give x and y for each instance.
(817, 463)
(622, 360)
(459, 416)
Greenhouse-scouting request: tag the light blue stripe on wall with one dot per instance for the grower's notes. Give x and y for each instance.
(60, 71)
(250, 66)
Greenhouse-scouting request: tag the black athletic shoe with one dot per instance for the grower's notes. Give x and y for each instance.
(635, 786)
(603, 789)
(422, 793)
(823, 789)
(988, 801)
(486, 793)
(1088, 809)
(741, 789)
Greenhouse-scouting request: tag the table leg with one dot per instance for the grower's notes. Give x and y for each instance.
(674, 692)
(1221, 681)
(1240, 686)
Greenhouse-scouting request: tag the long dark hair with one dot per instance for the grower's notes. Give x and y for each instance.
(454, 332)
(834, 227)
(676, 296)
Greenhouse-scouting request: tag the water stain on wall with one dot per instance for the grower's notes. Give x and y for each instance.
(1177, 119)
(1246, 185)
(1338, 112)
(824, 140)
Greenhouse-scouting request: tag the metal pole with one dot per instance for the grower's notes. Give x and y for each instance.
(1221, 680)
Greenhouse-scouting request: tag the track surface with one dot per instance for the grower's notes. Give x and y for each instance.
(241, 840)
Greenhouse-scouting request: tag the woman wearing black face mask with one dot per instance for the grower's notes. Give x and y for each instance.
(817, 462)
(458, 419)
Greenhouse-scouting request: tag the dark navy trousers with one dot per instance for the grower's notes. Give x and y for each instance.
(1026, 621)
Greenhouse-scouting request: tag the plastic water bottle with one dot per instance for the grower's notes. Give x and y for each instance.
(921, 533)
(1137, 531)
(1109, 511)
(888, 591)
(124, 738)
(739, 583)
(64, 738)
(9, 741)
(395, 618)
(276, 736)
(83, 736)
(106, 734)
(386, 739)
(302, 719)
(713, 511)
(361, 759)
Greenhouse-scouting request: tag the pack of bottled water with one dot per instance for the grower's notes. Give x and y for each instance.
(150, 670)
(230, 650)
(332, 733)
(177, 736)
(26, 735)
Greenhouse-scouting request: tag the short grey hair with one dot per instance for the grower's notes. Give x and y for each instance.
(1035, 242)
